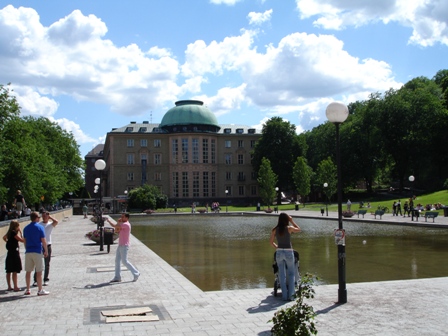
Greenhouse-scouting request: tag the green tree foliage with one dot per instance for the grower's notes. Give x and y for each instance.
(327, 173)
(147, 197)
(302, 175)
(36, 156)
(280, 144)
(267, 181)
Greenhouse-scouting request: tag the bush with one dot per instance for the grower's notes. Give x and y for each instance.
(298, 319)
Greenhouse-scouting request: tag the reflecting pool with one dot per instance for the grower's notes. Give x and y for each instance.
(218, 252)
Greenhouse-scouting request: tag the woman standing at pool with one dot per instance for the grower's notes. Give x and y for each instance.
(284, 255)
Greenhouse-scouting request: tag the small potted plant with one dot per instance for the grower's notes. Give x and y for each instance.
(348, 213)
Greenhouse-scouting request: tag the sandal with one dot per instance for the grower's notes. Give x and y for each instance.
(17, 289)
(27, 292)
(9, 289)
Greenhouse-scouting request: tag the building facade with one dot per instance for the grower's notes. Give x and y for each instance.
(188, 156)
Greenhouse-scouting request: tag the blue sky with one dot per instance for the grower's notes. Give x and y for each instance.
(92, 65)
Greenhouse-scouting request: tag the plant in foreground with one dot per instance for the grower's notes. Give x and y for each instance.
(297, 319)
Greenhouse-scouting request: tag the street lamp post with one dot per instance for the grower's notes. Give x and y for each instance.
(227, 193)
(326, 190)
(100, 165)
(411, 201)
(126, 201)
(337, 113)
(276, 196)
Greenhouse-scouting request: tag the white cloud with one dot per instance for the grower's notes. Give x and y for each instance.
(427, 18)
(32, 103)
(224, 2)
(259, 18)
(75, 129)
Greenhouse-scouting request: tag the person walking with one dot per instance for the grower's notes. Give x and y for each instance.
(49, 223)
(85, 209)
(349, 205)
(398, 208)
(124, 230)
(19, 203)
(284, 255)
(13, 263)
(35, 242)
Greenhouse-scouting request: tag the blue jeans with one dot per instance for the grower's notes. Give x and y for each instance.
(122, 255)
(286, 272)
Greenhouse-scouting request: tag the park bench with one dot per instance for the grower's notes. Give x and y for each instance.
(361, 212)
(431, 214)
(379, 213)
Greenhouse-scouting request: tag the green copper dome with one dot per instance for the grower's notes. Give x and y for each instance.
(189, 116)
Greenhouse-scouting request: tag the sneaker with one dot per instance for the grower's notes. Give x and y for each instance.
(27, 292)
(43, 292)
(136, 277)
(115, 280)
(35, 284)
(45, 284)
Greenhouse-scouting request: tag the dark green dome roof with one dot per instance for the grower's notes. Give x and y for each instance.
(189, 115)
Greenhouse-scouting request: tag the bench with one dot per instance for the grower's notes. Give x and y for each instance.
(431, 214)
(361, 212)
(379, 213)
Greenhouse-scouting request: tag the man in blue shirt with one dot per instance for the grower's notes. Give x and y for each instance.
(34, 241)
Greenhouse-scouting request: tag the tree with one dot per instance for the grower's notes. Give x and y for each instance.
(280, 144)
(327, 173)
(267, 180)
(302, 174)
(147, 197)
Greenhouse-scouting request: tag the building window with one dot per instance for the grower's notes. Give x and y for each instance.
(228, 176)
(157, 176)
(228, 159)
(229, 190)
(241, 190)
(184, 150)
(241, 176)
(185, 191)
(213, 184)
(204, 150)
(213, 151)
(195, 184)
(130, 159)
(228, 144)
(252, 143)
(130, 142)
(176, 184)
(253, 175)
(205, 184)
(157, 143)
(142, 157)
(253, 190)
(175, 150)
(240, 159)
(157, 159)
(130, 176)
(143, 142)
(240, 143)
(195, 149)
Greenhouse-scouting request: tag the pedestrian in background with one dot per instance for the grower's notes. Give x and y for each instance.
(19, 203)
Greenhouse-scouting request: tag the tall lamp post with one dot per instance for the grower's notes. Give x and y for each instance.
(100, 165)
(326, 190)
(227, 193)
(337, 113)
(411, 202)
(126, 201)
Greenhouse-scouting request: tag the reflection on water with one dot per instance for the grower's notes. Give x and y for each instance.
(233, 252)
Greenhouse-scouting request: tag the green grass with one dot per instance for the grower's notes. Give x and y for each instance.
(436, 197)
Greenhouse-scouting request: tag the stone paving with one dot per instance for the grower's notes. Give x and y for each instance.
(80, 289)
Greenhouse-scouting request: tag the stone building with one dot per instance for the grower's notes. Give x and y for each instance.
(188, 156)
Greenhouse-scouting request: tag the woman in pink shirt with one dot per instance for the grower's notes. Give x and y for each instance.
(123, 227)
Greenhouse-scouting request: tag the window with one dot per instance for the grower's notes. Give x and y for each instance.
(241, 176)
(252, 143)
(174, 151)
(240, 143)
(239, 131)
(195, 184)
(157, 176)
(240, 159)
(227, 130)
(130, 159)
(129, 129)
(253, 175)
(142, 129)
(228, 144)
(157, 159)
(213, 152)
(184, 150)
(205, 184)
(185, 191)
(176, 184)
(143, 142)
(229, 190)
(241, 190)
(204, 150)
(228, 176)
(130, 142)
(142, 157)
(157, 143)
(253, 190)
(213, 184)
(130, 176)
(195, 148)
(228, 159)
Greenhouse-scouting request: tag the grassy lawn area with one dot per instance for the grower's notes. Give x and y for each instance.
(433, 198)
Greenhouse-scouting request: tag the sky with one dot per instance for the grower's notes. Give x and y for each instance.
(94, 65)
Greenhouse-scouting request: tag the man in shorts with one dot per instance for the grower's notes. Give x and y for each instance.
(34, 241)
